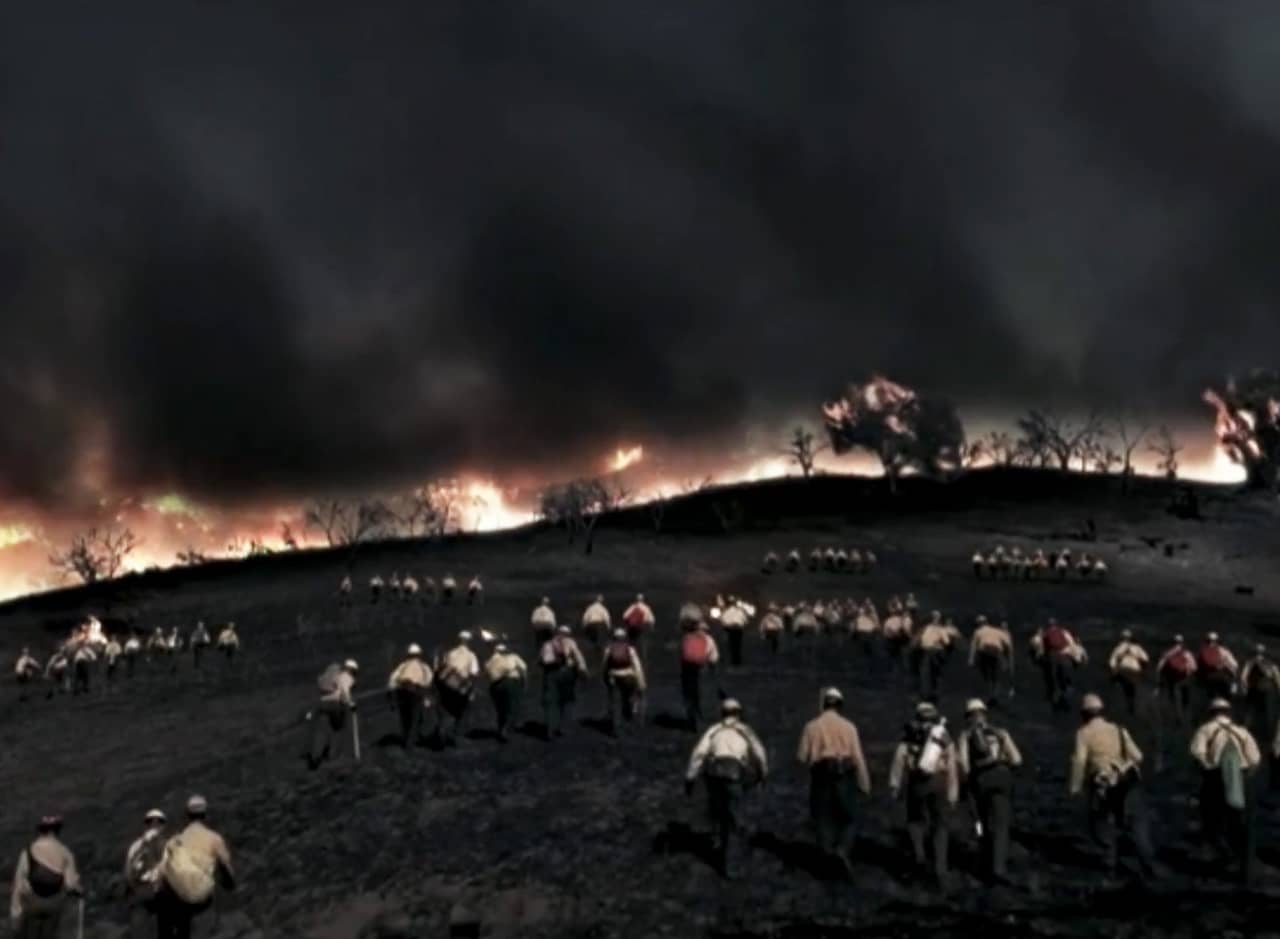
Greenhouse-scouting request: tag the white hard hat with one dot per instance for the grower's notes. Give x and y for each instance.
(1091, 704)
(351, 665)
(975, 705)
(414, 649)
(1213, 637)
(1219, 704)
(831, 694)
(730, 706)
(619, 634)
(197, 805)
(563, 630)
(155, 815)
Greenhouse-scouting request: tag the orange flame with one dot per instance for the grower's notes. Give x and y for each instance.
(625, 458)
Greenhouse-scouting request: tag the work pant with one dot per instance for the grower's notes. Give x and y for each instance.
(1057, 677)
(1128, 683)
(454, 704)
(723, 798)
(409, 707)
(592, 632)
(1177, 691)
(24, 686)
(143, 922)
(691, 692)
(774, 639)
(130, 662)
(1263, 715)
(1227, 831)
(176, 918)
(506, 695)
(328, 732)
(559, 694)
(40, 924)
(1121, 809)
(992, 790)
(895, 647)
(932, 662)
(866, 643)
(111, 672)
(735, 645)
(832, 805)
(197, 653)
(990, 664)
(624, 693)
(229, 652)
(80, 682)
(927, 819)
(543, 635)
(475, 597)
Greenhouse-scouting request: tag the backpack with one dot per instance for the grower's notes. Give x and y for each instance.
(1055, 639)
(1231, 765)
(635, 617)
(552, 653)
(985, 747)
(148, 857)
(328, 680)
(1211, 658)
(1180, 663)
(187, 877)
(619, 656)
(44, 881)
(695, 648)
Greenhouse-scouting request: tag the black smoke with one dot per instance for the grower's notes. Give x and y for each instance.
(252, 249)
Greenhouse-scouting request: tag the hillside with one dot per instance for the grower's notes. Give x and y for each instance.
(592, 836)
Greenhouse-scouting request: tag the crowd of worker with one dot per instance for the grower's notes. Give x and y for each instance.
(410, 589)
(1061, 565)
(91, 654)
(171, 880)
(837, 560)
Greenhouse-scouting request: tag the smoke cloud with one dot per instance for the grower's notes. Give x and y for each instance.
(249, 255)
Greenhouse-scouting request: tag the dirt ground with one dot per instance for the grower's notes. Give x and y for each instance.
(593, 836)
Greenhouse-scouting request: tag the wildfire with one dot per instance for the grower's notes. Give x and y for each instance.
(486, 507)
(879, 395)
(1236, 428)
(624, 458)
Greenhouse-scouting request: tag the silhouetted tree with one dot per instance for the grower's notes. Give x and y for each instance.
(1166, 446)
(577, 506)
(1248, 424)
(803, 449)
(1131, 433)
(1044, 436)
(349, 522)
(905, 431)
(1000, 447)
(96, 554)
(287, 538)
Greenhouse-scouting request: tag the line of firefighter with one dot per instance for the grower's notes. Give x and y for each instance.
(410, 589)
(71, 667)
(831, 559)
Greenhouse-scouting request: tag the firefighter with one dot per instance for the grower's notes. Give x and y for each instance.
(771, 627)
(832, 751)
(698, 655)
(639, 622)
(376, 584)
(596, 621)
(623, 678)
(925, 770)
(987, 756)
(729, 758)
(1260, 682)
(345, 588)
(329, 717)
(111, 654)
(1227, 756)
(793, 560)
(200, 641)
(543, 621)
(562, 665)
(1216, 668)
(475, 591)
(82, 662)
(991, 651)
(507, 675)
(407, 689)
(1058, 653)
(448, 587)
(25, 671)
(1108, 760)
(132, 649)
(734, 623)
(229, 642)
(770, 563)
(930, 650)
(867, 628)
(1127, 663)
(456, 674)
(44, 878)
(1174, 671)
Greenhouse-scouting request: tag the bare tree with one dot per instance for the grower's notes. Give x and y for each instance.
(971, 454)
(579, 505)
(803, 449)
(96, 554)
(690, 486)
(1131, 433)
(1166, 446)
(1000, 447)
(326, 515)
(1046, 436)
(287, 537)
(347, 523)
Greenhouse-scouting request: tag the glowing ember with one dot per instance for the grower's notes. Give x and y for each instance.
(623, 459)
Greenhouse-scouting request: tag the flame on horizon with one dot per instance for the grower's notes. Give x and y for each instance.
(623, 459)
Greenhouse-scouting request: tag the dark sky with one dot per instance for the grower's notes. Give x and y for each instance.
(260, 248)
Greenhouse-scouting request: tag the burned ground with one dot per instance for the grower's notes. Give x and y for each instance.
(591, 836)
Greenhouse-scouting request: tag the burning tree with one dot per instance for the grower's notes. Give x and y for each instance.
(904, 430)
(346, 522)
(95, 555)
(1166, 446)
(803, 449)
(577, 506)
(1248, 424)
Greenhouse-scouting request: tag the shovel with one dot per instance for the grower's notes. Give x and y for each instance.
(355, 734)
(80, 918)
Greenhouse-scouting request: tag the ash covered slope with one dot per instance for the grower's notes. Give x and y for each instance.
(587, 837)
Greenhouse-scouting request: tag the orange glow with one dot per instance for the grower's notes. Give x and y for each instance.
(625, 458)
